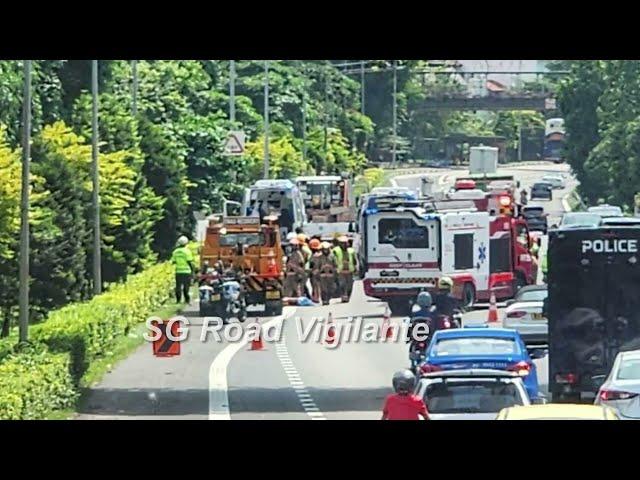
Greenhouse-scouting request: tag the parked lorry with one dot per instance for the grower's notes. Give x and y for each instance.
(593, 305)
(329, 204)
(251, 249)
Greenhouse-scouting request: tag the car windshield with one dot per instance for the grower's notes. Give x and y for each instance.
(533, 213)
(471, 396)
(588, 219)
(629, 370)
(233, 239)
(470, 346)
(541, 186)
(607, 211)
(532, 295)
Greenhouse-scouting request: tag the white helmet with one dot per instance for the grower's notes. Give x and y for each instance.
(182, 241)
(291, 236)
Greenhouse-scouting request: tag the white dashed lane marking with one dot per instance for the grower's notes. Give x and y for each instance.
(296, 382)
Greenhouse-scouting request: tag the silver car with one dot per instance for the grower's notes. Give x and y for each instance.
(621, 389)
(606, 210)
(524, 314)
(477, 394)
(556, 181)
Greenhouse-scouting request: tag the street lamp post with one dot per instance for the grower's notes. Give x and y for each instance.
(24, 206)
(395, 109)
(97, 273)
(266, 119)
(232, 91)
(362, 109)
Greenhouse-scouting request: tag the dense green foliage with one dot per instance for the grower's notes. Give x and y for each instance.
(600, 103)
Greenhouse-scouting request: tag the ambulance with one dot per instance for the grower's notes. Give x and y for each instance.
(409, 244)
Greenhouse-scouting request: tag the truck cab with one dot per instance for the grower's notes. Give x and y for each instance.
(252, 249)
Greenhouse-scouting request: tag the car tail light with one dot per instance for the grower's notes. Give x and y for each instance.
(607, 395)
(569, 378)
(516, 314)
(505, 201)
(447, 324)
(521, 368)
(428, 368)
(421, 345)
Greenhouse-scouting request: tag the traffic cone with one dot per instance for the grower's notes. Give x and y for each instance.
(493, 309)
(387, 328)
(256, 343)
(331, 331)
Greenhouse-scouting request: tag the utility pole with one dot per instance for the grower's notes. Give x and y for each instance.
(97, 273)
(520, 142)
(395, 109)
(362, 110)
(24, 206)
(304, 125)
(266, 119)
(134, 95)
(232, 91)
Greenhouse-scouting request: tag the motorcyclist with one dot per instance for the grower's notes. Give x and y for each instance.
(347, 265)
(404, 404)
(445, 303)
(295, 274)
(424, 314)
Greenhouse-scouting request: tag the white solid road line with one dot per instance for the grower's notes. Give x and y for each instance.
(218, 387)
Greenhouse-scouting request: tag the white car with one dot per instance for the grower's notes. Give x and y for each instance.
(475, 394)
(606, 210)
(524, 314)
(621, 389)
(556, 181)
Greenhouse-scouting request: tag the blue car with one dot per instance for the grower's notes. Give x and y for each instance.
(493, 348)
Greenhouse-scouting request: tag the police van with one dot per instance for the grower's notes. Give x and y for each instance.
(407, 245)
(593, 305)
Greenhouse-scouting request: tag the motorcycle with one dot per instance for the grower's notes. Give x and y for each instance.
(221, 297)
(418, 347)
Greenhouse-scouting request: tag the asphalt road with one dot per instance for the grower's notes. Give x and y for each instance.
(288, 379)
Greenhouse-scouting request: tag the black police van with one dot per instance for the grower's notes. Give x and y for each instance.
(593, 305)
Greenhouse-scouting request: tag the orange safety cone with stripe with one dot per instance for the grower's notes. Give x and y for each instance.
(331, 331)
(256, 342)
(387, 328)
(493, 309)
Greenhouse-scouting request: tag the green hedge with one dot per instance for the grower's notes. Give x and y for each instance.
(86, 330)
(45, 376)
(35, 382)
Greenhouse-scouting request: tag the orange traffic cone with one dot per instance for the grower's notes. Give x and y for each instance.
(331, 331)
(493, 309)
(256, 343)
(387, 328)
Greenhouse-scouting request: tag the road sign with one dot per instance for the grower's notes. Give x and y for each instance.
(235, 143)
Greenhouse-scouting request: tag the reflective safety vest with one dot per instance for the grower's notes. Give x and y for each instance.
(544, 264)
(307, 253)
(351, 258)
(182, 258)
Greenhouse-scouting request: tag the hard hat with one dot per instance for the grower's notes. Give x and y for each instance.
(404, 381)
(445, 282)
(314, 244)
(325, 245)
(302, 237)
(291, 236)
(182, 241)
(343, 238)
(294, 241)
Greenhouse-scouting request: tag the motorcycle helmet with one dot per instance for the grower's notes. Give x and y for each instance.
(404, 382)
(424, 299)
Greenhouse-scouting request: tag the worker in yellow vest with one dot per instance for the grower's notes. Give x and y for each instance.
(346, 262)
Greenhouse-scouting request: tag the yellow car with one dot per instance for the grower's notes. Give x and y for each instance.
(558, 411)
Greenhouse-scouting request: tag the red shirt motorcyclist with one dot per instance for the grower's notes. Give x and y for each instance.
(404, 405)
